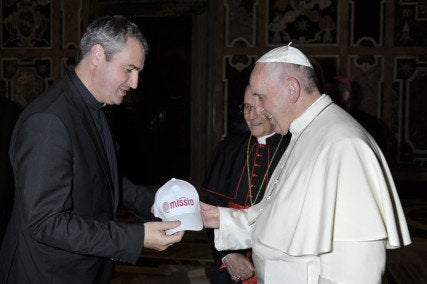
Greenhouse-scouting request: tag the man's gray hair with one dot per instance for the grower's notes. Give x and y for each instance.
(112, 33)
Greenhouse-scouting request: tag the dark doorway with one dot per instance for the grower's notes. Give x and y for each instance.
(153, 125)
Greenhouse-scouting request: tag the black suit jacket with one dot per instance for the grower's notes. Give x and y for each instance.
(63, 227)
(9, 112)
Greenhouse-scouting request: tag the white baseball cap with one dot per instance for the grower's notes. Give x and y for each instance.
(178, 200)
(286, 54)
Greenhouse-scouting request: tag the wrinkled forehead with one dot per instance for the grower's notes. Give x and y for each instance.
(263, 75)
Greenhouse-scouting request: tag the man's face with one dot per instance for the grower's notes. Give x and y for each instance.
(258, 124)
(270, 97)
(116, 76)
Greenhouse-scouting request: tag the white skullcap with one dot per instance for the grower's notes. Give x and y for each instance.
(286, 54)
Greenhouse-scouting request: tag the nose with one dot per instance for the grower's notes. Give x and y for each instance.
(253, 113)
(259, 110)
(133, 79)
(258, 107)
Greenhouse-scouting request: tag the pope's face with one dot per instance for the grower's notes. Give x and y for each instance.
(271, 97)
(258, 124)
(118, 75)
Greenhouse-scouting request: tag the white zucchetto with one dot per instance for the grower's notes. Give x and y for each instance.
(285, 54)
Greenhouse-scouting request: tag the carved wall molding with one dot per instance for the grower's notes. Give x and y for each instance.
(371, 42)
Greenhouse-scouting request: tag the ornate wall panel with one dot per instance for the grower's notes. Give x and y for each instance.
(240, 23)
(71, 21)
(326, 66)
(25, 80)
(303, 22)
(154, 8)
(355, 38)
(410, 23)
(39, 42)
(366, 73)
(367, 22)
(26, 24)
(411, 84)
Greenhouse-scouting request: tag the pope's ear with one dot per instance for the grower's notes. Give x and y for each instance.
(294, 89)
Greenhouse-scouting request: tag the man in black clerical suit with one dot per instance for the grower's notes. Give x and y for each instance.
(9, 112)
(63, 227)
(237, 176)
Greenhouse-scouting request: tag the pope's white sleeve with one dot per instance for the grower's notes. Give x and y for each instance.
(235, 231)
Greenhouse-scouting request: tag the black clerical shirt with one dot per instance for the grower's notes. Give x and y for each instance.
(96, 110)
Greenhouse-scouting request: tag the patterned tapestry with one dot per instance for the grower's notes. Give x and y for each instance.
(379, 45)
(26, 24)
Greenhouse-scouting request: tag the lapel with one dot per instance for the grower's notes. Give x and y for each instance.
(86, 121)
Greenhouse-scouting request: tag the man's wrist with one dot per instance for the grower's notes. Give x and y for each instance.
(223, 259)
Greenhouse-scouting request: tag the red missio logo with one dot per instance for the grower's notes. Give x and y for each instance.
(180, 202)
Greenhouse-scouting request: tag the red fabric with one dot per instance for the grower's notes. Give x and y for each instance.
(236, 206)
(252, 280)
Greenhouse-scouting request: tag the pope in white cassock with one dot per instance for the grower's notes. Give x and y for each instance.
(331, 208)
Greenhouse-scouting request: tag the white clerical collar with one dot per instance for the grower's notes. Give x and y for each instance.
(263, 139)
(315, 102)
(309, 114)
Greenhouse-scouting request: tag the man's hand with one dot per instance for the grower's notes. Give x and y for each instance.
(156, 238)
(239, 267)
(210, 215)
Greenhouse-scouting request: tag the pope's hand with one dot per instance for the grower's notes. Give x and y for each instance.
(239, 266)
(156, 238)
(210, 215)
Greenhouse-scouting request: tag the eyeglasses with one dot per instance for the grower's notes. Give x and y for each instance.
(246, 108)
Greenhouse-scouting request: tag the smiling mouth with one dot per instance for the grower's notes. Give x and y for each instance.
(256, 124)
